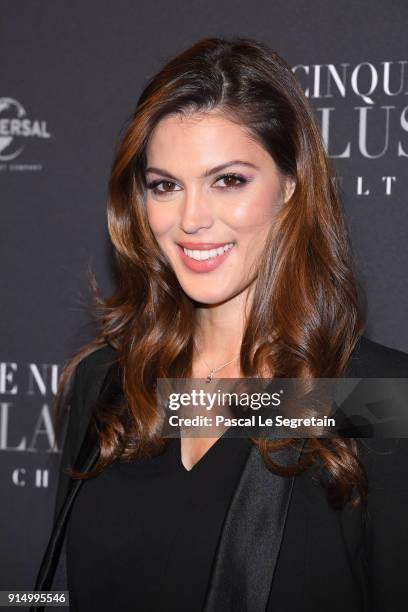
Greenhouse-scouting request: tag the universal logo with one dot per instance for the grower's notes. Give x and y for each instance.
(16, 128)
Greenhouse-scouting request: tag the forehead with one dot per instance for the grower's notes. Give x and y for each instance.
(204, 135)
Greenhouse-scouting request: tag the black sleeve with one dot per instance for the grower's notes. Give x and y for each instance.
(387, 523)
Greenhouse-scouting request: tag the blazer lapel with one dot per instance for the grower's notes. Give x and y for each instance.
(252, 534)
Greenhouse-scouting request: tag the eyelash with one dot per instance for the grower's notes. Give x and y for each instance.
(154, 184)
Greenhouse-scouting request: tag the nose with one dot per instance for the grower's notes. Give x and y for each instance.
(196, 213)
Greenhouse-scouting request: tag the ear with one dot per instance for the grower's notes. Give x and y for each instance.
(289, 188)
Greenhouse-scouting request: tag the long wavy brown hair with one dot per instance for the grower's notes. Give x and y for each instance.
(308, 308)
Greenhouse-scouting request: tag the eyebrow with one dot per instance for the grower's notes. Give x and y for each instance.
(211, 171)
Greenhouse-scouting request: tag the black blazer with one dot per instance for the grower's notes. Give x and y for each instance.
(283, 548)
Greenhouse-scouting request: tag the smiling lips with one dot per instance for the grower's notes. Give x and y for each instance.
(204, 256)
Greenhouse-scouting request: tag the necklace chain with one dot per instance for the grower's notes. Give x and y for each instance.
(213, 370)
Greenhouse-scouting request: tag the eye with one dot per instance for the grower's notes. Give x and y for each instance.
(232, 177)
(153, 186)
(237, 181)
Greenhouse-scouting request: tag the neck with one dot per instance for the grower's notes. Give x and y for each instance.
(220, 328)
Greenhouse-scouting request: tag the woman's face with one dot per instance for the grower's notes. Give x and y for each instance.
(212, 196)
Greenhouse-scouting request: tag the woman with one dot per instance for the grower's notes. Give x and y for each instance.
(232, 260)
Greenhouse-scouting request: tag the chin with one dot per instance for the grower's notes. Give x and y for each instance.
(210, 296)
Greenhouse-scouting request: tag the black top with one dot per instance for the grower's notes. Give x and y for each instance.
(143, 534)
(283, 546)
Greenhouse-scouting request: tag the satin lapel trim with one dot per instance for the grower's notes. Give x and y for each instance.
(248, 549)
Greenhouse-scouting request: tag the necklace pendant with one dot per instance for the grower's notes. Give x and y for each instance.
(209, 378)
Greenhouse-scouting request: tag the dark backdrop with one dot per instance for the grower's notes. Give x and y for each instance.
(71, 73)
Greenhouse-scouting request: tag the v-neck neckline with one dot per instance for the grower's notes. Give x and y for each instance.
(200, 460)
(213, 451)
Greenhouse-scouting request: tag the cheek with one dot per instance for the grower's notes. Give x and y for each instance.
(251, 213)
(161, 219)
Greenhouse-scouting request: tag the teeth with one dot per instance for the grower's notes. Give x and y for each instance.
(203, 254)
